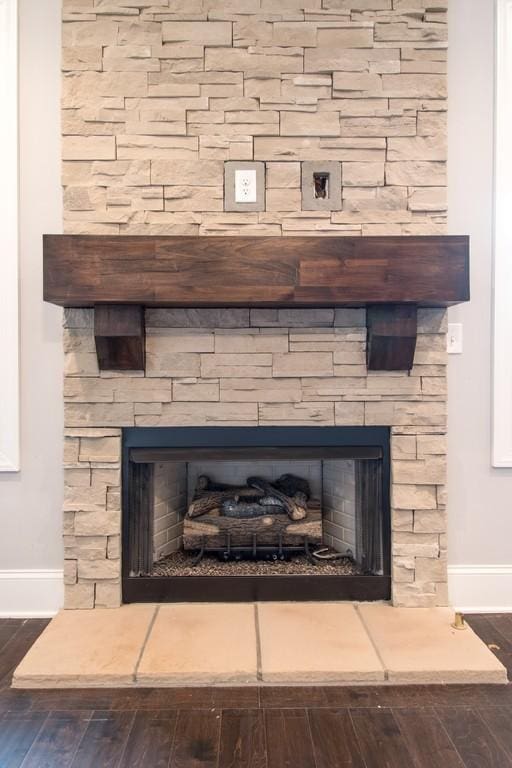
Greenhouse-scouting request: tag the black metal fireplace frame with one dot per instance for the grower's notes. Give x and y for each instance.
(244, 588)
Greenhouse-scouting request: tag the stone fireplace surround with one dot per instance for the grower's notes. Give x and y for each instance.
(254, 367)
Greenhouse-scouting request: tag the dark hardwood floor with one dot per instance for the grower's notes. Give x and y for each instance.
(432, 726)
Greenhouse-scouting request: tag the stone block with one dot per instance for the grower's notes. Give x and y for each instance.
(78, 477)
(379, 126)
(253, 64)
(349, 36)
(70, 572)
(197, 318)
(302, 364)
(86, 498)
(108, 594)
(349, 318)
(416, 173)
(429, 521)
(431, 445)
(296, 413)
(81, 58)
(349, 414)
(414, 86)
(204, 414)
(403, 447)
(407, 544)
(427, 199)
(283, 176)
(280, 148)
(363, 174)
(294, 33)
(350, 352)
(356, 81)
(414, 595)
(310, 124)
(89, 33)
(414, 497)
(428, 471)
(405, 413)
(246, 342)
(98, 414)
(210, 33)
(226, 365)
(201, 173)
(195, 390)
(402, 520)
(71, 447)
(403, 569)
(283, 200)
(98, 569)
(79, 596)
(261, 390)
(98, 523)
(292, 318)
(430, 569)
(100, 449)
(88, 147)
(406, 148)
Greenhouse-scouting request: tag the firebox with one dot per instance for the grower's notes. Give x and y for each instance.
(263, 513)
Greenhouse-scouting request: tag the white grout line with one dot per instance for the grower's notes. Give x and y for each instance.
(370, 638)
(145, 642)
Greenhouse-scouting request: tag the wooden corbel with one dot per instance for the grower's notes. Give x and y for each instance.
(119, 331)
(391, 339)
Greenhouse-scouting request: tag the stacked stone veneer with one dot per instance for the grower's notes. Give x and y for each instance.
(253, 367)
(157, 94)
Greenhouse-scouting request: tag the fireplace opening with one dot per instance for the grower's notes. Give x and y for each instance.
(224, 513)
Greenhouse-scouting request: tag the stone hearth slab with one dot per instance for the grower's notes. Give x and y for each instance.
(419, 645)
(203, 643)
(87, 648)
(212, 643)
(315, 643)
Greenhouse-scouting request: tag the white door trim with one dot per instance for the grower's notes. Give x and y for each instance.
(9, 308)
(502, 320)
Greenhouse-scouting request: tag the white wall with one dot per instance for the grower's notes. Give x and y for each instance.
(479, 497)
(31, 500)
(480, 506)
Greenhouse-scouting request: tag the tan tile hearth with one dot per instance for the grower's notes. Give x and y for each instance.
(194, 644)
(283, 643)
(418, 645)
(310, 642)
(92, 648)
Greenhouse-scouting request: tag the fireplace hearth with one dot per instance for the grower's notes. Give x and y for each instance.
(263, 513)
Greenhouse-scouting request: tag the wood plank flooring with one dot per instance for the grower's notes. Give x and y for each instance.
(432, 726)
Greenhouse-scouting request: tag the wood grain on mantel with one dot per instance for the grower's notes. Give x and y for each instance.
(85, 270)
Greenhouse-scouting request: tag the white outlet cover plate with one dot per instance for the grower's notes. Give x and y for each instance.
(454, 339)
(245, 186)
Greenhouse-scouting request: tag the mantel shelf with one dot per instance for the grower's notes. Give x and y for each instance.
(400, 273)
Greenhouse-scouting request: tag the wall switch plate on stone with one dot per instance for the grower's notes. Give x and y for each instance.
(244, 186)
(454, 339)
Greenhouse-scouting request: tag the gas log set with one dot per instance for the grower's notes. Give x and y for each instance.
(260, 519)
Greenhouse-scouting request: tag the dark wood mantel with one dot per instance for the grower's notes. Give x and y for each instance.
(393, 275)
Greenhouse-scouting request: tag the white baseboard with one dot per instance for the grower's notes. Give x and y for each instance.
(30, 594)
(480, 588)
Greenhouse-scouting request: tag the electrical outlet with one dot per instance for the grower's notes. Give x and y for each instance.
(245, 186)
(454, 339)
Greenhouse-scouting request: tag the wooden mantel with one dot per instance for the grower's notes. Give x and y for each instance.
(391, 276)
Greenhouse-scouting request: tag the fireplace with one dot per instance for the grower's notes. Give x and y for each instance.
(262, 513)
